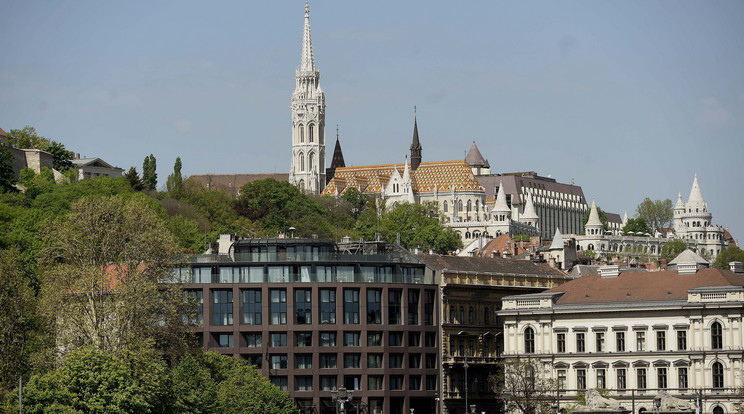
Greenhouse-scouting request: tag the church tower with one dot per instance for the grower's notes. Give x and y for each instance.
(415, 145)
(307, 169)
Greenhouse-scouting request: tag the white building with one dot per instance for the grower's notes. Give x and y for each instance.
(636, 334)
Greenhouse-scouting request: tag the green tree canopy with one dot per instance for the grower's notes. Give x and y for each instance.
(657, 213)
(149, 173)
(638, 226)
(27, 138)
(174, 183)
(7, 177)
(729, 254)
(672, 249)
(134, 179)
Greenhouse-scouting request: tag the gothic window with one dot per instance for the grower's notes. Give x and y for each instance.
(444, 207)
(470, 206)
(302, 133)
(310, 136)
(311, 161)
(302, 162)
(717, 375)
(459, 206)
(476, 205)
(529, 341)
(716, 336)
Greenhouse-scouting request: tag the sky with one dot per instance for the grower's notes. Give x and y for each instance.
(628, 99)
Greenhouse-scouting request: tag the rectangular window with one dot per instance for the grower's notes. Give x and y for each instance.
(682, 377)
(351, 361)
(414, 360)
(374, 306)
(223, 307)
(278, 339)
(661, 340)
(225, 340)
(414, 338)
(622, 382)
(431, 383)
(562, 379)
(641, 378)
(394, 311)
(278, 362)
(640, 341)
(280, 274)
(304, 339)
(601, 378)
(328, 306)
(252, 307)
(327, 383)
(580, 342)
(278, 307)
(303, 307)
(253, 274)
(374, 360)
(345, 273)
(351, 306)
(599, 342)
(620, 341)
(328, 339)
(255, 360)
(374, 338)
(431, 361)
(374, 382)
(304, 361)
(661, 377)
(280, 382)
(414, 382)
(413, 303)
(429, 307)
(561, 343)
(396, 382)
(395, 338)
(304, 383)
(328, 361)
(395, 361)
(581, 379)
(352, 382)
(681, 340)
(253, 340)
(227, 274)
(351, 338)
(430, 339)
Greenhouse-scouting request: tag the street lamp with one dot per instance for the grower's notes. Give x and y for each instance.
(341, 397)
(465, 365)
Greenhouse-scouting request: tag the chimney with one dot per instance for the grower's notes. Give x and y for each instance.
(609, 271)
(736, 267)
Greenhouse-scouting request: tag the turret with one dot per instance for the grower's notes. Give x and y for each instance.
(594, 226)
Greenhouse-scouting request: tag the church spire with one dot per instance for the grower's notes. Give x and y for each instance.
(337, 160)
(308, 62)
(415, 145)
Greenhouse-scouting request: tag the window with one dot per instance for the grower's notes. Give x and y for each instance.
(452, 314)
(620, 341)
(661, 341)
(562, 379)
(328, 339)
(413, 303)
(303, 307)
(682, 377)
(486, 315)
(280, 382)
(310, 134)
(601, 378)
(225, 340)
(717, 375)
(640, 341)
(431, 361)
(304, 383)
(197, 296)
(278, 339)
(374, 338)
(328, 361)
(374, 382)
(641, 378)
(529, 341)
(223, 307)
(429, 308)
(396, 382)
(599, 342)
(253, 340)
(462, 315)
(621, 379)
(327, 383)
(395, 361)
(561, 342)
(431, 382)
(414, 338)
(430, 339)
(661, 377)
(304, 361)
(716, 336)
(681, 340)
(351, 338)
(278, 307)
(278, 362)
(351, 361)
(414, 360)
(394, 311)
(255, 360)
(304, 339)
(374, 360)
(351, 306)
(581, 379)
(395, 338)
(580, 343)
(414, 382)
(252, 306)
(374, 306)
(327, 305)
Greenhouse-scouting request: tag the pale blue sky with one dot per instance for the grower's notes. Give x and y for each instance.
(628, 98)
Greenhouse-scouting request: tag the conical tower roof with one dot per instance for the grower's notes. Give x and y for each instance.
(529, 209)
(474, 157)
(696, 196)
(338, 156)
(594, 217)
(625, 217)
(557, 243)
(680, 204)
(500, 205)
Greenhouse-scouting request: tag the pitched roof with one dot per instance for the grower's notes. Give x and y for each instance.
(371, 179)
(91, 162)
(338, 156)
(3, 133)
(474, 157)
(557, 243)
(688, 256)
(497, 265)
(642, 286)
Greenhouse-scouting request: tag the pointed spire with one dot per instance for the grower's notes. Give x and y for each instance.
(308, 62)
(529, 209)
(680, 204)
(557, 243)
(415, 144)
(594, 220)
(475, 158)
(500, 206)
(696, 196)
(625, 218)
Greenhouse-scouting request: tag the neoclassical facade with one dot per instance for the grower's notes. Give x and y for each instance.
(307, 169)
(637, 334)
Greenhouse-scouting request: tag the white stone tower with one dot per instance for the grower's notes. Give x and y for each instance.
(307, 169)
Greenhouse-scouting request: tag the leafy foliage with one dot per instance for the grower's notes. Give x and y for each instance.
(672, 249)
(657, 213)
(638, 226)
(729, 254)
(7, 177)
(174, 184)
(134, 179)
(149, 174)
(27, 138)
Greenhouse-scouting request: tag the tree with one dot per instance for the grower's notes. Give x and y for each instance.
(62, 157)
(104, 278)
(149, 174)
(174, 184)
(637, 226)
(524, 385)
(134, 179)
(729, 254)
(672, 249)
(28, 138)
(7, 176)
(658, 214)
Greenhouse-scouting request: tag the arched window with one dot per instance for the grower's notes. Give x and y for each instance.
(716, 336)
(717, 375)
(467, 234)
(310, 136)
(302, 185)
(302, 162)
(485, 317)
(311, 161)
(459, 206)
(471, 316)
(477, 202)
(302, 133)
(470, 206)
(444, 206)
(462, 315)
(452, 314)
(718, 410)
(529, 341)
